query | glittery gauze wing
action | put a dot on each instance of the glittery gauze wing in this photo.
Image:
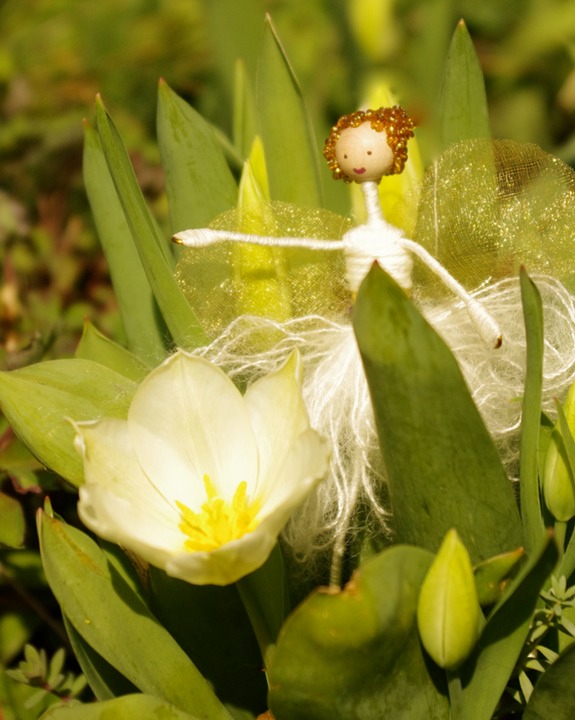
(487, 207)
(229, 279)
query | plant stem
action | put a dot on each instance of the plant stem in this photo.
(560, 535)
(455, 695)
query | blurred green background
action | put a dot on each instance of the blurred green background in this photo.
(55, 55)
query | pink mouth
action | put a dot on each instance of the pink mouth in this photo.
(359, 171)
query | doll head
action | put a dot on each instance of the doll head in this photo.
(366, 145)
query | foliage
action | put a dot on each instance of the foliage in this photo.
(351, 654)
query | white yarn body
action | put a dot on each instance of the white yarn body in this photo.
(377, 241)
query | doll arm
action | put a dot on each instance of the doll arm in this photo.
(202, 237)
(483, 321)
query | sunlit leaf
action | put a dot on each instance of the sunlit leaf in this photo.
(138, 309)
(40, 400)
(104, 680)
(443, 469)
(95, 346)
(531, 513)
(129, 707)
(289, 142)
(152, 247)
(199, 184)
(356, 654)
(105, 609)
(463, 100)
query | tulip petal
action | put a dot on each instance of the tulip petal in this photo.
(146, 486)
(187, 419)
(304, 467)
(278, 415)
(117, 500)
(225, 565)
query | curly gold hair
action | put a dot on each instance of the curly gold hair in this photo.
(398, 128)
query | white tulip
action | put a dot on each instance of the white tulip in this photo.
(200, 480)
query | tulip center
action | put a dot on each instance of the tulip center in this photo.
(218, 522)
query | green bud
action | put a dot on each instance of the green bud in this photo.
(492, 575)
(448, 613)
(558, 480)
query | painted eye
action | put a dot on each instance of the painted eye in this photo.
(369, 152)
(345, 157)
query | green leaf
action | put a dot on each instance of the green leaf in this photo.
(492, 575)
(244, 130)
(140, 316)
(265, 597)
(40, 400)
(12, 522)
(289, 142)
(104, 680)
(487, 672)
(224, 19)
(356, 655)
(211, 626)
(95, 346)
(443, 469)
(152, 249)
(553, 697)
(16, 628)
(105, 609)
(199, 184)
(129, 707)
(463, 99)
(531, 512)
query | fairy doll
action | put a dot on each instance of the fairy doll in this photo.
(365, 147)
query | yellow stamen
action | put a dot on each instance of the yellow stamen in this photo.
(218, 522)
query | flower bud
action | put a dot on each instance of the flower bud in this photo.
(558, 480)
(493, 575)
(448, 613)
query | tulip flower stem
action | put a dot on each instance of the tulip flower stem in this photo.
(560, 535)
(455, 695)
(256, 616)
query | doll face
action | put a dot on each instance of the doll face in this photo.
(363, 153)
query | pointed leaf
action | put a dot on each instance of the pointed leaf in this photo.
(199, 183)
(40, 400)
(154, 255)
(356, 655)
(531, 512)
(463, 98)
(289, 142)
(105, 609)
(12, 522)
(492, 575)
(138, 309)
(443, 468)
(129, 707)
(553, 697)
(95, 346)
(487, 672)
(210, 625)
(104, 680)
(244, 111)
